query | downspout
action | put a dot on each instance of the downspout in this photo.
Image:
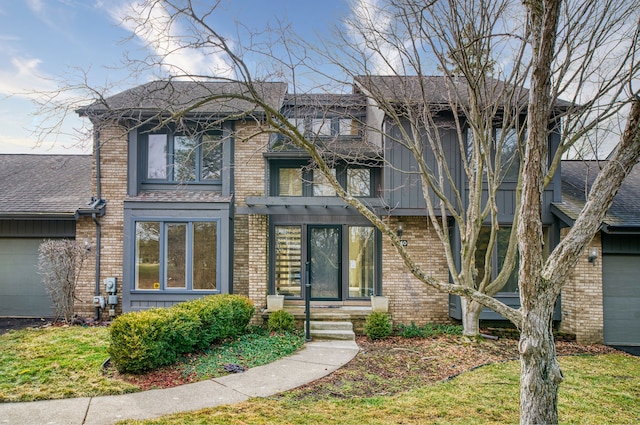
(96, 142)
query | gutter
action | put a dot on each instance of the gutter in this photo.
(95, 209)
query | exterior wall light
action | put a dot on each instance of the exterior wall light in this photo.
(399, 230)
(87, 244)
(593, 254)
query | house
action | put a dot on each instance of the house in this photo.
(206, 198)
(40, 196)
(602, 300)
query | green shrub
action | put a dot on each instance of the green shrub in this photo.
(146, 340)
(377, 325)
(411, 331)
(222, 316)
(281, 321)
(430, 329)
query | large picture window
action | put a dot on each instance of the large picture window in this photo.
(176, 255)
(184, 158)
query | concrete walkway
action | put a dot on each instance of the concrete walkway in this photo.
(315, 360)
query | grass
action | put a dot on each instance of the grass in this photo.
(56, 362)
(598, 389)
(65, 362)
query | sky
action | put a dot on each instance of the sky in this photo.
(45, 43)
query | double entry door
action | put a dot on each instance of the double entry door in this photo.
(337, 261)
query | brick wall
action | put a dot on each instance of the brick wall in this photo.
(250, 231)
(410, 299)
(582, 310)
(113, 153)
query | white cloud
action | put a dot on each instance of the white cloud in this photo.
(35, 5)
(169, 40)
(370, 28)
(23, 78)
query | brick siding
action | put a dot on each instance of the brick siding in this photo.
(410, 299)
(251, 232)
(582, 309)
(113, 152)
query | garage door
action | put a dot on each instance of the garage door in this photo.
(621, 292)
(22, 293)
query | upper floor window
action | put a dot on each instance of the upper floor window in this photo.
(184, 158)
(295, 178)
(505, 146)
(326, 128)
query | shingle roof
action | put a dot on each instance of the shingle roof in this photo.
(580, 175)
(179, 195)
(44, 184)
(438, 90)
(204, 98)
(351, 100)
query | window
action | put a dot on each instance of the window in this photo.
(176, 255)
(290, 181)
(288, 260)
(359, 181)
(509, 151)
(361, 261)
(182, 158)
(497, 258)
(329, 126)
(499, 254)
(321, 127)
(321, 185)
(290, 178)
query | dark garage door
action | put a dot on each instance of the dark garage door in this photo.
(621, 292)
(22, 293)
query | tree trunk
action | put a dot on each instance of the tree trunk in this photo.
(470, 317)
(540, 374)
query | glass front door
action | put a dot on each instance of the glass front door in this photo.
(324, 259)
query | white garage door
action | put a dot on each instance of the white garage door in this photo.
(621, 292)
(22, 293)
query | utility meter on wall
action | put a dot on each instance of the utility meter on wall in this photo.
(110, 284)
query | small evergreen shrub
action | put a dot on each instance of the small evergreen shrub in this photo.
(281, 321)
(411, 331)
(146, 340)
(377, 325)
(430, 329)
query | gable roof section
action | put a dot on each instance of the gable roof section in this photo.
(44, 186)
(438, 90)
(199, 98)
(578, 177)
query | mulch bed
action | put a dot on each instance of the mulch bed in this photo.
(394, 365)
(391, 365)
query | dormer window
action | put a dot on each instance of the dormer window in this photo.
(183, 158)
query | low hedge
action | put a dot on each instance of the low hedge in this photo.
(146, 340)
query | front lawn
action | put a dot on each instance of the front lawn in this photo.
(600, 389)
(66, 362)
(56, 362)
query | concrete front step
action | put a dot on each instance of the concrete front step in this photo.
(336, 326)
(332, 330)
(332, 334)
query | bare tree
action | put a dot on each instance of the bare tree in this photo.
(60, 263)
(578, 60)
